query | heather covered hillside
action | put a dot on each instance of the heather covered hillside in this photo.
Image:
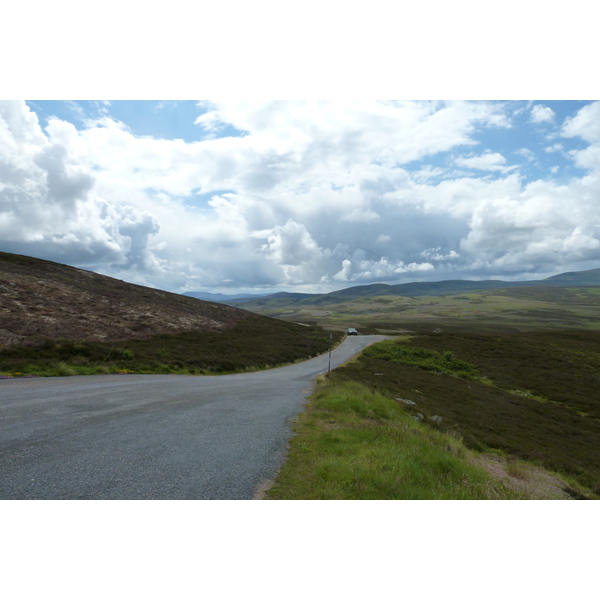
(42, 299)
(59, 320)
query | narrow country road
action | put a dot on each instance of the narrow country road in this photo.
(152, 436)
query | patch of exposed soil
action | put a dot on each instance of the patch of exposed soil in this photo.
(40, 299)
(534, 482)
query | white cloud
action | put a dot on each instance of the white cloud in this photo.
(514, 228)
(585, 124)
(427, 173)
(345, 134)
(526, 152)
(438, 255)
(589, 158)
(364, 271)
(289, 244)
(48, 202)
(311, 193)
(542, 114)
(489, 161)
(358, 216)
(554, 148)
(544, 224)
(344, 273)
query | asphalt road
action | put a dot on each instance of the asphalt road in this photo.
(152, 436)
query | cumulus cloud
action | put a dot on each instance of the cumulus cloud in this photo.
(48, 205)
(345, 271)
(290, 244)
(526, 153)
(437, 254)
(362, 271)
(545, 224)
(514, 228)
(358, 215)
(489, 161)
(348, 134)
(296, 194)
(585, 124)
(541, 114)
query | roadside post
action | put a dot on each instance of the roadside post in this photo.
(330, 338)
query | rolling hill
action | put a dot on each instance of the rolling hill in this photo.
(42, 299)
(223, 298)
(590, 278)
(59, 320)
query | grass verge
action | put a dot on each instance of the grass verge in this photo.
(355, 444)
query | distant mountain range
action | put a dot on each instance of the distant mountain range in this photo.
(224, 298)
(240, 298)
(424, 288)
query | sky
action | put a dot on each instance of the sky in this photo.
(309, 196)
(262, 196)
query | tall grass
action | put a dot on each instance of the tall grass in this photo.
(352, 443)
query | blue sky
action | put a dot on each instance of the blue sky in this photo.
(260, 196)
(166, 119)
(524, 134)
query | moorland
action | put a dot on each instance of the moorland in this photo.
(59, 320)
(513, 372)
(524, 405)
(508, 309)
(500, 379)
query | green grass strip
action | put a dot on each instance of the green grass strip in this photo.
(355, 444)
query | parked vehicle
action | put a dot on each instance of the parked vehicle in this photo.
(352, 331)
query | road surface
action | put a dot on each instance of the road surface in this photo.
(152, 436)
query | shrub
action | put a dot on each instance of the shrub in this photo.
(64, 370)
(517, 469)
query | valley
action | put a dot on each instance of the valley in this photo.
(511, 308)
(509, 374)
